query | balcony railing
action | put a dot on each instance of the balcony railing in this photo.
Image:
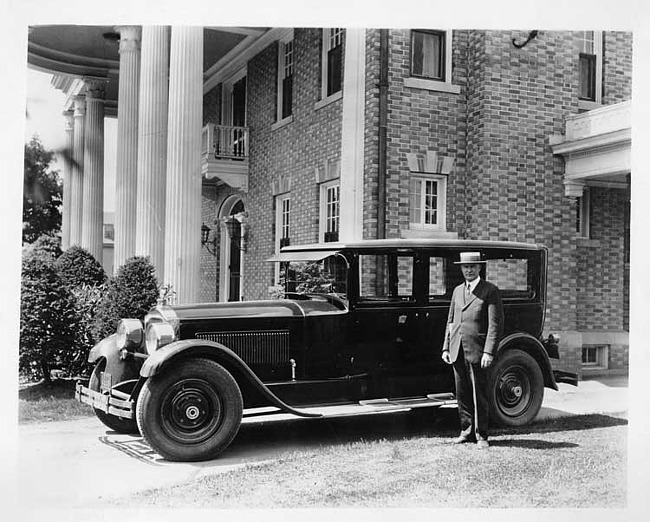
(226, 142)
(225, 154)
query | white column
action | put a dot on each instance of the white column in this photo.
(352, 135)
(67, 179)
(76, 174)
(127, 144)
(183, 197)
(152, 147)
(93, 184)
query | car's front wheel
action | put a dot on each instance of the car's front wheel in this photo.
(118, 424)
(516, 389)
(191, 412)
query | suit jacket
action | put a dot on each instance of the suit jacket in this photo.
(476, 325)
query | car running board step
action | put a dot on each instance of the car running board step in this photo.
(367, 407)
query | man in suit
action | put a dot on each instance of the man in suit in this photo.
(474, 326)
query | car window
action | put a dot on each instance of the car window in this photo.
(512, 276)
(327, 276)
(437, 284)
(386, 277)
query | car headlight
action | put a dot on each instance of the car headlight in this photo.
(158, 335)
(129, 333)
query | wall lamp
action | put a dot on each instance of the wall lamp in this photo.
(237, 231)
(531, 36)
(206, 241)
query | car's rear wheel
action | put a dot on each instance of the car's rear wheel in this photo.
(192, 412)
(118, 424)
(516, 389)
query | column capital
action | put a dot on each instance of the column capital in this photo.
(130, 36)
(95, 87)
(79, 106)
(573, 189)
(69, 120)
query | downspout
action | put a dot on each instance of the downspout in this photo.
(383, 116)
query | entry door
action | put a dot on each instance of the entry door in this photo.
(234, 267)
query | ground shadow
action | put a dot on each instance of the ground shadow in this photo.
(258, 442)
(532, 444)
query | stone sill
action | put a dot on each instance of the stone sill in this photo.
(279, 124)
(326, 101)
(587, 243)
(431, 85)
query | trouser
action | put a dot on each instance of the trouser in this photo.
(471, 394)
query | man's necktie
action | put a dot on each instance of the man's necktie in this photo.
(467, 293)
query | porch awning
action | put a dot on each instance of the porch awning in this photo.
(312, 255)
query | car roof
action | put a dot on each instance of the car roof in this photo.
(371, 244)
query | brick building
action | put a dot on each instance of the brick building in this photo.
(466, 134)
(235, 141)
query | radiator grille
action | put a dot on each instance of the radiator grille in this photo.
(262, 347)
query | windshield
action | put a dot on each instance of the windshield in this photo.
(327, 276)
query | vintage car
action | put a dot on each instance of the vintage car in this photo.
(354, 328)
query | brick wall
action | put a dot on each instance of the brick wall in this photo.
(601, 265)
(296, 150)
(517, 98)
(505, 185)
(617, 67)
(422, 120)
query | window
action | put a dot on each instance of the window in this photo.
(332, 66)
(386, 277)
(330, 211)
(431, 62)
(428, 56)
(282, 221)
(591, 64)
(285, 79)
(595, 356)
(427, 202)
(583, 214)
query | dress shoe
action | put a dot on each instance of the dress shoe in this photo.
(462, 439)
(482, 444)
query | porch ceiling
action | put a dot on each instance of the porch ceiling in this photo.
(76, 51)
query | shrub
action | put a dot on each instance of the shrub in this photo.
(47, 317)
(77, 267)
(132, 292)
(46, 246)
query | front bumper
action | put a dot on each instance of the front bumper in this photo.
(112, 402)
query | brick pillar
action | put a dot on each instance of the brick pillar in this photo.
(352, 134)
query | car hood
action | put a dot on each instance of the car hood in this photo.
(268, 308)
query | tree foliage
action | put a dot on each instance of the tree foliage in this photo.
(131, 293)
(42, 193)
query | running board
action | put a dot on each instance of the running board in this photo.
(366, 407)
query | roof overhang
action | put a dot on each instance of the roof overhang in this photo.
(597, 148)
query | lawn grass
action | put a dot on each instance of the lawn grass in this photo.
(574, 462)
(53, 401)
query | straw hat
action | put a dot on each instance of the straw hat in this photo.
(469, 258)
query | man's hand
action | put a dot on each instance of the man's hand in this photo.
(486, 360)
(446, 357)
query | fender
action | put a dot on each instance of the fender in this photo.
(221, 354)
(533, 347)
(120, 369)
